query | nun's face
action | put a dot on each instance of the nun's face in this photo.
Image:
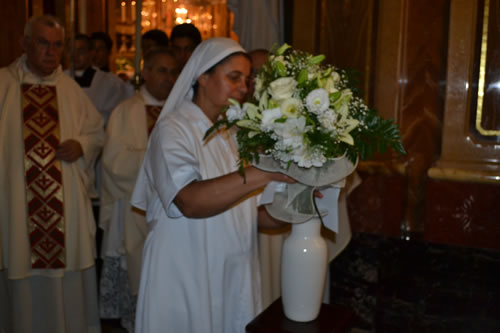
(228, 80)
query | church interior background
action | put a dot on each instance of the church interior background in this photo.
(425, 250)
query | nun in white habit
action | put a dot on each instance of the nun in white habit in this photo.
(200, 270)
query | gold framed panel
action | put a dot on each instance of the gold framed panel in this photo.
(486, 122)
(466, 154)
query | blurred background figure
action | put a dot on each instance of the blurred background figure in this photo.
(124, 228)
(102, 44)
(104, 89)
(258, 58)
(184, 39)
(153, 38)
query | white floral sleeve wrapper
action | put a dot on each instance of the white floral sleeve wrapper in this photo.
(294, 203)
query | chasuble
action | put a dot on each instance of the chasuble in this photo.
(46, 221)
(127, 133)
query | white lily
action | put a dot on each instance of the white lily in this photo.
(344, 99)
(252, 111)
(268, 118)
(250, 124)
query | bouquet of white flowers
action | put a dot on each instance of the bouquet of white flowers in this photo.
(305, 121)
(305, 113)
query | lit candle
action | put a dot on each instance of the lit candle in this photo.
(123, 12)
(72, 36)
(134, 11)
(83, 16)
(138, 37)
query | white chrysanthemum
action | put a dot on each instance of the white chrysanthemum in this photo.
(281, 153)
(317, 101)
(291, 107)
(268, 118)
(235, 112)
(328, 119)
(282, 88)
(308, 158)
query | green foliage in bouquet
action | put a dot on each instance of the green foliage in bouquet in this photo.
(306, 113)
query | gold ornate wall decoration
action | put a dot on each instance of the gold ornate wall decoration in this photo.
(482, 75)
(211, 17)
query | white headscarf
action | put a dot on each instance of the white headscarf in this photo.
(204, 57)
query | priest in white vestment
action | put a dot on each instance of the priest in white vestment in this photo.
(50, 135)
(125, 228)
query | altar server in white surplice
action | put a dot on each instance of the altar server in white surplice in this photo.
(105, 89)
(125, 228)
(200, 269)
(50, 134)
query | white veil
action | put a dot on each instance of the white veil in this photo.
(205, 56)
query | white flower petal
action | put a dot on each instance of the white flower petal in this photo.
(317, 101)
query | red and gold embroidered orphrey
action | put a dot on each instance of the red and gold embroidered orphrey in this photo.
(152, 113)
(43, 175)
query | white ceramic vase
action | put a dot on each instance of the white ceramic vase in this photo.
(303, 271)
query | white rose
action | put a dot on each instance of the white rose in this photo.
(282, 88)
(335, 77)
(317, 101)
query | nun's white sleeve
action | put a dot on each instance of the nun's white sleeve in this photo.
(174, 164)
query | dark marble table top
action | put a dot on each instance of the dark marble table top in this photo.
(332, 318)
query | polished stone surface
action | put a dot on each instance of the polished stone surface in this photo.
(463, 175)
(378, 204)
(463, 214)
(331, 319)
(412, 286)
